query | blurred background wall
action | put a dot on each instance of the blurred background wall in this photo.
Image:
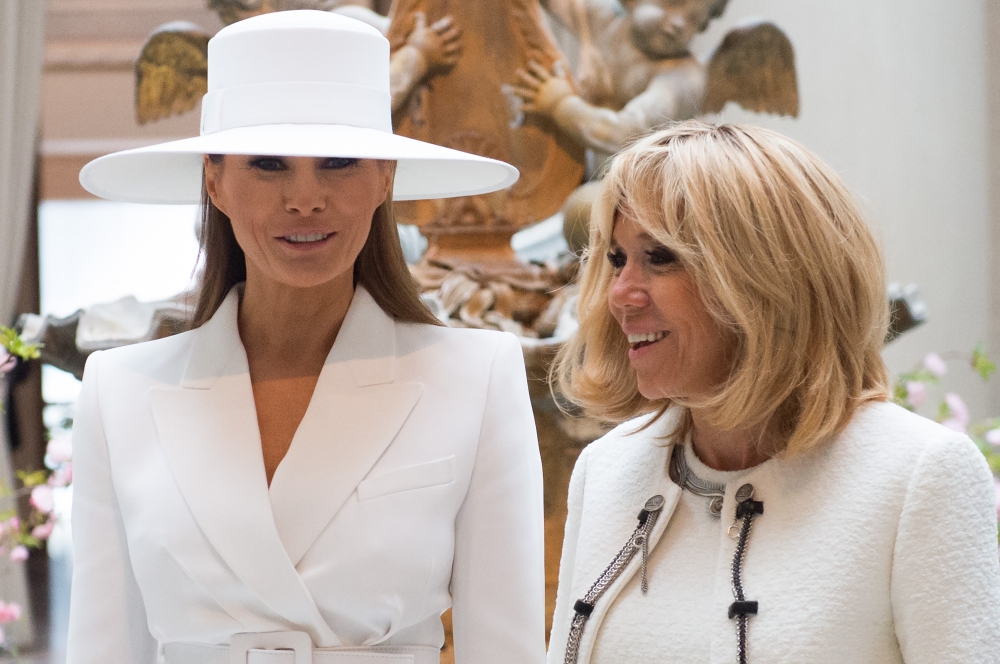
(901, 98)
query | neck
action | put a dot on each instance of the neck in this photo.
(726, 449)
(288, 332)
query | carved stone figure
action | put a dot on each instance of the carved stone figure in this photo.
(470, 108)
(171, 74)
(636, 72)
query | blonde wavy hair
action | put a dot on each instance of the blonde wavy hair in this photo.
(783, 260)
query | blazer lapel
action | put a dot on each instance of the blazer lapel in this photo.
(355, 413)
(208, 430)
(619, 490)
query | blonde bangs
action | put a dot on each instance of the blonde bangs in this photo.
(783, 260)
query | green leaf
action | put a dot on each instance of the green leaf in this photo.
(900, 396)
(29, 541)
(11, 340)
(32, 478)
(982, 363)
(943, 412)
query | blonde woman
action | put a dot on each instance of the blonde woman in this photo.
(732, 315)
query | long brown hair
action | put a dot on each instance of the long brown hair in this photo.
(380, 267)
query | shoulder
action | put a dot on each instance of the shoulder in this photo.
(453, 344)
(640, 432)
(635, 443)
(161, 359)
(892, 451)
(893, 435)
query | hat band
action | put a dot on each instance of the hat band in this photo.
(296, 103)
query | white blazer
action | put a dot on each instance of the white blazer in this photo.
(412, 484)
(880, 547)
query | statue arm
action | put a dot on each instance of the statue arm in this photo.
(429, 50)
(407, 68)
(598, 128)
(552, 95)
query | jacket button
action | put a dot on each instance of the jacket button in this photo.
(745, 492)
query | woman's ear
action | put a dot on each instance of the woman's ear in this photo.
(389, 169)
(213, 169)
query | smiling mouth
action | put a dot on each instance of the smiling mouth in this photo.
(637, 341)
(302, 239)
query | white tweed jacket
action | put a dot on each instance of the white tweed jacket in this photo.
(880, 547)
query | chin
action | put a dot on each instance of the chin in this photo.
(308, 280)
(655, 392)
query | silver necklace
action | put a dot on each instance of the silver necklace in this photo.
(684, 477)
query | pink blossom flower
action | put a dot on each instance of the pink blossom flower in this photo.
(916, 393)
(42, 499)
(7, 361)
(59, 450)
(9, 612)
(993, 437)
(13, 524)
(954, 425)
(19, 554)
(996, 486)
(43, 531)
(61, 476)
(934, 364)
(957, 408)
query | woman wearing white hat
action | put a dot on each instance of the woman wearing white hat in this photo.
(316, 471)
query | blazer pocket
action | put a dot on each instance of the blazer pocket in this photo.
(421, 476)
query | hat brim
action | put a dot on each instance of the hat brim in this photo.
(170, 173)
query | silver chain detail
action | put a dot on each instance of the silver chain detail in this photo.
(638, 541)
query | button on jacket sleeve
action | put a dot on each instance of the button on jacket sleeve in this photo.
(107, 618)
(498, 577)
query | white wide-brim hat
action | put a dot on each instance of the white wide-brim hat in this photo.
(298, 83)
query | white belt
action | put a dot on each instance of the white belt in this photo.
(292, 648)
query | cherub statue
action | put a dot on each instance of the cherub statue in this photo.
(636, 71)
(172, 70)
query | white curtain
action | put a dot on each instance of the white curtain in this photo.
(21, 51)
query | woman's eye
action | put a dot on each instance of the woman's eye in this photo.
(617, 259)
(337, 163)
(661, 256)
(268, 163)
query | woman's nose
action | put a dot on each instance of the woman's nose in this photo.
(628, 289)
(305, 193)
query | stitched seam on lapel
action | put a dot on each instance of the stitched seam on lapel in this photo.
(606, 602)
(611, 595)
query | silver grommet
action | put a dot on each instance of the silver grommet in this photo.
(715, 507)
(654, 504)
(745, 492)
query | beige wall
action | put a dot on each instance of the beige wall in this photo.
(88, 84)
(895, 97)
(992, 50)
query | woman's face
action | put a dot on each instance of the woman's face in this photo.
(301, 221)
(676, 347)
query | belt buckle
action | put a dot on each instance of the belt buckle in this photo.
(240, 645)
